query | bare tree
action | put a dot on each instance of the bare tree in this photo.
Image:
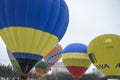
(8, 72)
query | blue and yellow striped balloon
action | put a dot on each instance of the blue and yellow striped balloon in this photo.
(32, 28)
(75, 59)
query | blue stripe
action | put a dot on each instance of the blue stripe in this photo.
(50, 16)
(48, 60)
(27, 56)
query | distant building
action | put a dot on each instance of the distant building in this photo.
(59, 67)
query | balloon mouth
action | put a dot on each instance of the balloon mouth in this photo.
(27, 55)
(26, 61)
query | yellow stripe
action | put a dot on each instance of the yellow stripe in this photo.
(76, 59)
(75, 55)
(23, 39)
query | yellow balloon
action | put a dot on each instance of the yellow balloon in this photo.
(104, 52)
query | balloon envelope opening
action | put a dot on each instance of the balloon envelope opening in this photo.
(26, 61)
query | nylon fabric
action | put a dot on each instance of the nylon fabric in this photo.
(16, 66)
(54, 55)
(76, 59)
(104, 53)
(75, 55)
(27, 56)
(28, 40)
(76, 71)
(50, 16)
(76, 48)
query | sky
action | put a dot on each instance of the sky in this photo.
(88, 19)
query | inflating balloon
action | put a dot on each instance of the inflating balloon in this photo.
(75, 59)
(53, 56)
(32, 28)
(15, 64)
(41, 68)
(104, 52)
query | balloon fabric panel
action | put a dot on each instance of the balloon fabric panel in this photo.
(104, 53)
(40, 72)
(41, 64)
(76, 59)
(16, 66)
(54, 55)
(53, 51)
(34, 41)
(55, 59)
(41, 68)
(76, 70)
(78, 47)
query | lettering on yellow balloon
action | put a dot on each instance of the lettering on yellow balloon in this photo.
(103, 66)
(117, 65)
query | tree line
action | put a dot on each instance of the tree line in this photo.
(8, 73)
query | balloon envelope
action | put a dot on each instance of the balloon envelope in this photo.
(32, 28)
(54, 55)
(75, 59)
(41, 68)
(104, 53)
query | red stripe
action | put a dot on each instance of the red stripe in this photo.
(76, 70)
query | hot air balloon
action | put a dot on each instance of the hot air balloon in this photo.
(41, 68)
(53, 56)
(104, 52)
(75, 59)
(15, 64)
(32, 28)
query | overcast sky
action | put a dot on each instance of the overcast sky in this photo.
(88, 19)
